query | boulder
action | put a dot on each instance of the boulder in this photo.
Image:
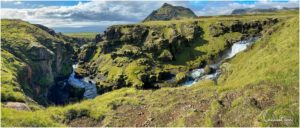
(17, 105)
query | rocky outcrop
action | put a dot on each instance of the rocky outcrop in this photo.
(46, 54)
(134, 34)
(250, 27)
(150, 38)
(17, 105)
(140, 55)
(135, 49)
(170, 12)
(86, 52)
(50, 31)
(40, 53)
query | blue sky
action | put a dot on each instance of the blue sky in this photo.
(96, 15)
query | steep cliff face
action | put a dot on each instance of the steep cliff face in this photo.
(45, 54)
(156, 54)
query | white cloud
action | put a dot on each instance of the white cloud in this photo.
(90, 13)
(18, 2)
(264, 1)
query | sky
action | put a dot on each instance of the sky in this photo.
(96, 15)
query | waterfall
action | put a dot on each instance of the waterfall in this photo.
(199, 74)
(240, 46)
(86, 83)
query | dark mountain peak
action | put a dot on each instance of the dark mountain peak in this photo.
(260, 10)
(170, 12)
(167, 5)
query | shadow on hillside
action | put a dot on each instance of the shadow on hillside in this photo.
(190, 53)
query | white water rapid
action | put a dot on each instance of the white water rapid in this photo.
(199, 74)
(86, 83)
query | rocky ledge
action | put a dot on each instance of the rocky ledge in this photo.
(139, 55)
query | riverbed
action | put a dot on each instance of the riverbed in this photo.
(86, 83)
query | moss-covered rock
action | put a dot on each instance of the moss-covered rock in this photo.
(162, 49)
(248, 27)
(181, 77)
(87, 52)
(165, 55)
(44, 52)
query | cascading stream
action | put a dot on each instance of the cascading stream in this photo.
(199, 74)
(86, 83)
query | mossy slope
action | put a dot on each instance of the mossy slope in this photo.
(44, 56)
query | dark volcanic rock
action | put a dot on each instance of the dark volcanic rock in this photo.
(50, 31)
(86, 52)
(39, 53)
(98, 38)
(250, 27)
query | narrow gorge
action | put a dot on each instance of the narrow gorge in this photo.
(144, 56)
(171, 69)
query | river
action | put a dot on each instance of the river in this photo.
(194, 76)
(197, 75)
(86, 83)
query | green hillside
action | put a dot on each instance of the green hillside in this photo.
(257, 87)
(44, 55)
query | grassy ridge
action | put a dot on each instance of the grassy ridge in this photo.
(271, 66)
(10, 66)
